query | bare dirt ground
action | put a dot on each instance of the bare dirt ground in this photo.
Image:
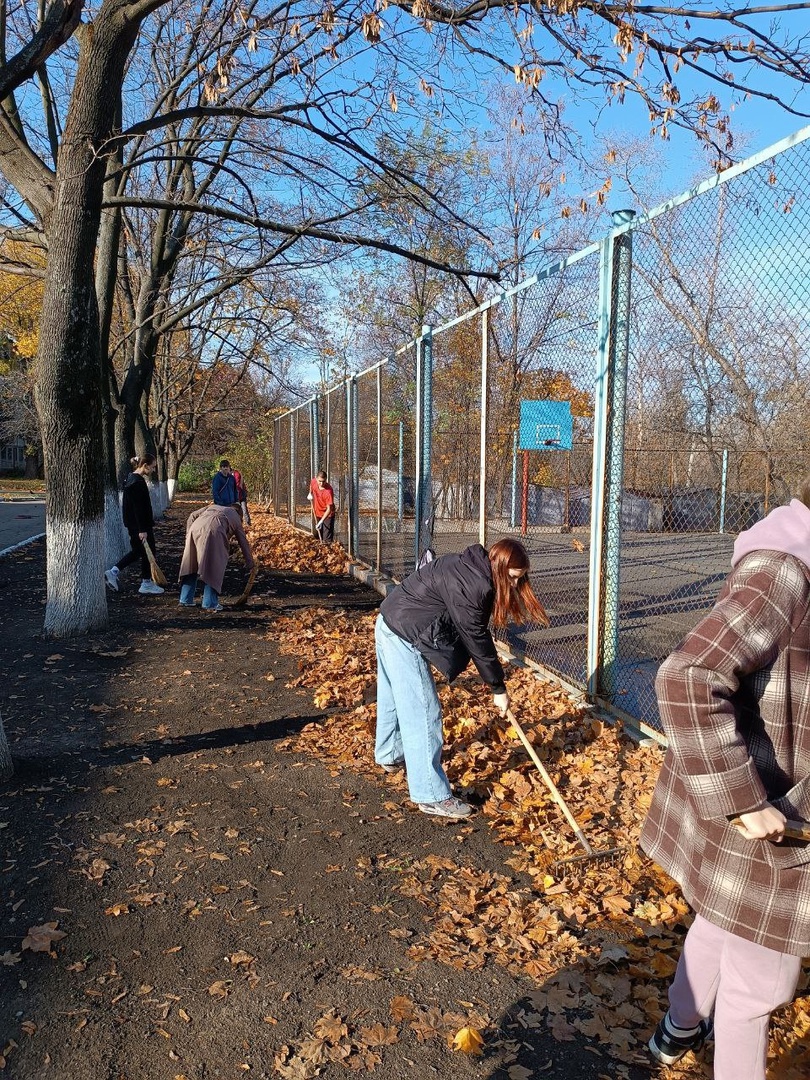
(186, 896)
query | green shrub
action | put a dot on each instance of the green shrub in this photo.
(194, 476)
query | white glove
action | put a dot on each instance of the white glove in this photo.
(501, 702)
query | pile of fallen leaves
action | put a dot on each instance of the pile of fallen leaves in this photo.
(278, 546)
(336, 657)
(603, 935)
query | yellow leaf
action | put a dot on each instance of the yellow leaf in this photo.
(469, 1041)
(117, 909)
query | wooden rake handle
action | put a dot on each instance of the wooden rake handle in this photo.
(552, 787)
(794, 830)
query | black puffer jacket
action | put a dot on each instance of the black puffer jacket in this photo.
(444, 609)
(136, 507)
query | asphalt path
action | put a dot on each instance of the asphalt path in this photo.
(20, 519)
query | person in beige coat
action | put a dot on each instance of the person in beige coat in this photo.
(208, 533)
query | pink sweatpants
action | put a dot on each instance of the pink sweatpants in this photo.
(741, 983)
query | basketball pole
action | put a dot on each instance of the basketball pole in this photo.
(524, 509)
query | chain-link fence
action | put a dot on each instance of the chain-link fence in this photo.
(679, 349)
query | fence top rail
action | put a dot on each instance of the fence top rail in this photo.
(716, 180)
(552, 269)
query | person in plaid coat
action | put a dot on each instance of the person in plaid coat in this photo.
(735, 706)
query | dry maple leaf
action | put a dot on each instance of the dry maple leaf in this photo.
(331, 1027)
(41, 938)
(9, 958)
(468, 1040)
(220, 989)
(240, 958)
(117, 909)
(402, 1008)
(376, 1035)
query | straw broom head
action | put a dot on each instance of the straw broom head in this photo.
(158, 576)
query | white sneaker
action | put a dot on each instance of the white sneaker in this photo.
(150, 588)
(111, 577)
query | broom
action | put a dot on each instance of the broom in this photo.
(158, 576)
(242, 600)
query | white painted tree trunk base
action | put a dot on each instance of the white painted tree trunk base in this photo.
(116, 537)
(77, 599)
(171, 487)
(157, 494)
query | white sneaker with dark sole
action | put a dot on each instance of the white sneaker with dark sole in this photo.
(111, 577)
(149, 588)
(449, 808)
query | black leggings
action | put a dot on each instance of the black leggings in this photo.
(327, 530)
(138, 552)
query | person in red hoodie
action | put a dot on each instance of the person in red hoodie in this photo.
(322, 497)
(241, 495)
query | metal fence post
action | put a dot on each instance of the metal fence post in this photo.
(723, 489)
(291, 507)
(482, 485)
(417, 495)
(427, 442)
(401, 474)
(315, 434)
(355, 452)
(598, 469)
(349, 485)
(276, 461)
(379, 469)
(622, 258)
(513, 515)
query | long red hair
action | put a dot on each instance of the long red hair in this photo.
(513, 602)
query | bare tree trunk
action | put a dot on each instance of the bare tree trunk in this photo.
(6, 763)
(68, 393)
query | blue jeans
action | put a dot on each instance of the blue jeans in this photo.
(409, 717)
(189, 588)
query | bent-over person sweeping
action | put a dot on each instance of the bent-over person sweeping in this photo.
(205, 556)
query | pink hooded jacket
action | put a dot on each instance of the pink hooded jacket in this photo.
(785, 529)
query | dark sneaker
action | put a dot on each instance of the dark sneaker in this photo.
(668, 1046)
(449, 808)
(213, 610)
(393, 766)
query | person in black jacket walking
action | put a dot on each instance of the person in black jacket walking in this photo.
(441, 614)
(136, 509)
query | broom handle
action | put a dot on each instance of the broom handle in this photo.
(794, 830)
(149, 554)
(552, 787)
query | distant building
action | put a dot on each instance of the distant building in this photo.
(12, 456)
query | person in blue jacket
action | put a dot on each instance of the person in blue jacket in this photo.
(223, 486)
(440, 615)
